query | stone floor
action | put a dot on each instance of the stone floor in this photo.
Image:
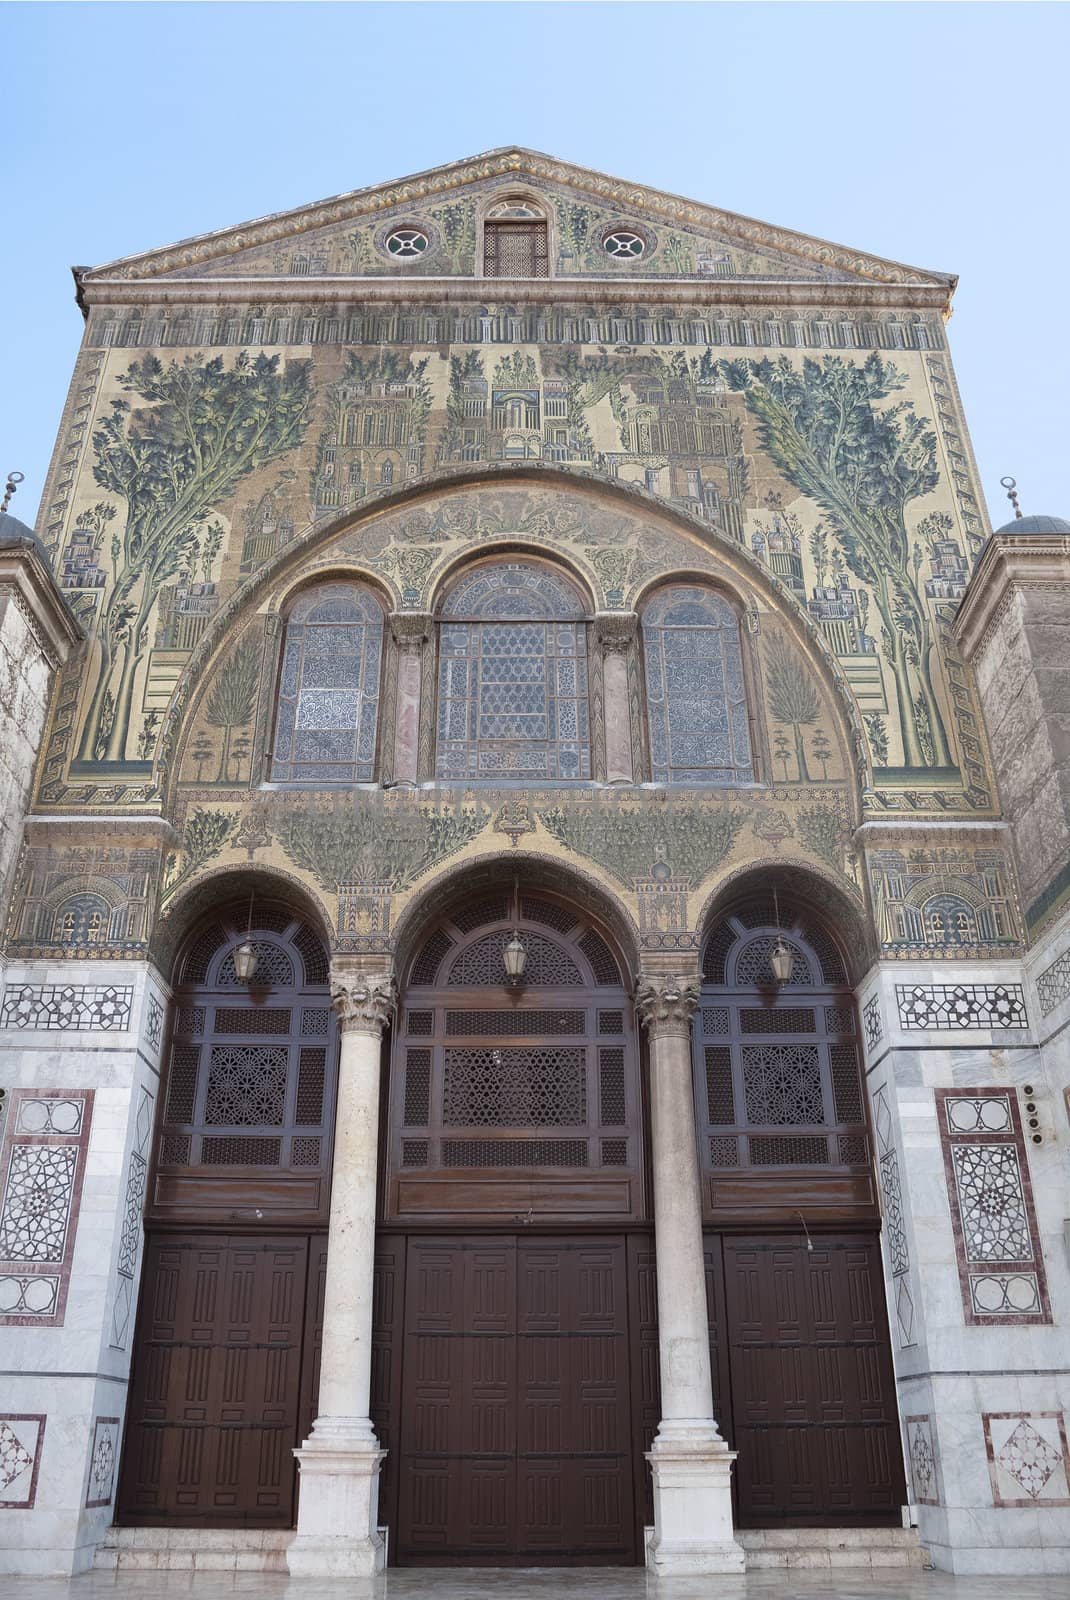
(498, 1584)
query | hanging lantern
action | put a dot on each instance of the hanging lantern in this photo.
(782, 961)
(245, 960)
(516, 959)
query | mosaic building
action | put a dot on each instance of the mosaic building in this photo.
(536, 860)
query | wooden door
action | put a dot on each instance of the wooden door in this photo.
(217, 1382)
(515, 1439)
(813, 1412)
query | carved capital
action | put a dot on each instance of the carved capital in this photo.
(410, 630)
(615, 631)
(363, 1003)
(666, 1004)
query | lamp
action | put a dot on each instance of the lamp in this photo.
(245, 957)
(514, 955)
(781, 956)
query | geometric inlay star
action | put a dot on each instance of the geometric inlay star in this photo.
(14, 1457)
(1029, 1458)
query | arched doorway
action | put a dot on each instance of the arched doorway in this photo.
(799, 1331)
(512, 1234)
(224, 1368)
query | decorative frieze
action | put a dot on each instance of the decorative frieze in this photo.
(42, 1168)
(67, 1007)
(940, 1007)
(997, 1242)
(1028, 1458)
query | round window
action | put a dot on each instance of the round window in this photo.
(406, 243)
(623, 245)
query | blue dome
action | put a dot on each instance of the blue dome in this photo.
(1036, 525)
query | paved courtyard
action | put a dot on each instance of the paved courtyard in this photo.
(561, 1584)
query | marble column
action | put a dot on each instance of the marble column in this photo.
(338, 1532)
(411, 632)
(690, 1463)
(615, 633)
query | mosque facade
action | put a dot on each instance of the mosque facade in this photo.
(536, 866)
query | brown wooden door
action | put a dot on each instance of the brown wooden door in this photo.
(217, 1382)
(515, 1439)
(813, 1411)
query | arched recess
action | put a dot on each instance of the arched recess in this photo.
(513, 1203)
(328, 546)
(791, 1214)
(224, 1358)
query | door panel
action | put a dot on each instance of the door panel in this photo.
(515, 1444)
(215, 1388)
(813, 1393)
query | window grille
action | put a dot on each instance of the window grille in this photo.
(516, 249)
(328, 696)
(512, 678)
(696, 698)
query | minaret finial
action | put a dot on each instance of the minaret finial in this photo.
(1012, 495)
(13, 481)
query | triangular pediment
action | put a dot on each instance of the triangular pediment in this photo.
(346, 237)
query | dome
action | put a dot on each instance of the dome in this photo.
(14, 532)
(1036, 525)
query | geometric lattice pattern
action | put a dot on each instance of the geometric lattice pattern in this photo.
(1053, 985)
(872, 1022)
(752, 965)
(79, 1008)
(36, 1204)
(274, 969)
(42, 1166)
(1001, 1271)
(1028, 1460)
(512, 688)
(21, 1437)
(696, 702)
(482, 964)
(514, 1088)
(102, 1462)
(992, 1204)
(782, 1084)
(894, 1233)
(328, 701)
(247, 1085)
(942, 1006)
(921, 1458)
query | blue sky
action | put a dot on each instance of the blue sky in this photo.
(931, 133)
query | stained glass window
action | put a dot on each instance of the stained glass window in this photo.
(512, 677)
(696, 701)
(329, 688)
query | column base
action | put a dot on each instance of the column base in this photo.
(338, 1533)
(692, 1536)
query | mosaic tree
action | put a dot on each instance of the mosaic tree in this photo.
(206, 427)
(824, 428)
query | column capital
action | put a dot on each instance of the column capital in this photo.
(615, 631)
(666, 1001)
(364, 1002)
(410, 630)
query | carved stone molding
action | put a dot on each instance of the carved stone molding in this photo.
(363, 1003)
(410, 630)
(666, 1003)
(615, 631)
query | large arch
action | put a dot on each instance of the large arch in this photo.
(627, 497)
(219, 887)
(805, 888)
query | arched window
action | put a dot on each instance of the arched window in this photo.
(329, 687)
(515, 242)
(696, 699)
(512, 677)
